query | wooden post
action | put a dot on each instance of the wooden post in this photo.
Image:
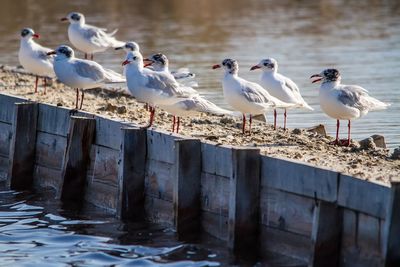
(186, 192)
(244, 202)
(22, 148)
(131, 174)
(326, 235)
(77, 159)
(392, 228)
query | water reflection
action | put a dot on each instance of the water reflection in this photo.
(360, 38)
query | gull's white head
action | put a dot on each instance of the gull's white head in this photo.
(328, 75)
(75, 18)
(133, 58)
(268, 65)
(129, 47)
(158, 61)
(28, 34)
(230, 66)
(63, 52)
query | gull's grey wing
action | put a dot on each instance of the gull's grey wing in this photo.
(164, 83)
(255, 93)
(89, 69)
(352, 95)
(291, 85)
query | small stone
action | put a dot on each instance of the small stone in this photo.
(319, 129)
(59, 104)
(110, 107)
(296, 131)
(121, 110)
(259, 117)
(379, 140)
(396, 153)
(226, 120)
(367, 144)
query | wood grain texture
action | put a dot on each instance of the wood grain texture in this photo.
(158, 181)
(391, 233)
(159, 210)
(7, 103)
(53, 120)
(5, 139)
(215, 224)
(160, 146)
(216, 159)
(50, 150)
(215, 193)
(23, 146)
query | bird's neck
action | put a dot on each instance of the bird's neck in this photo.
(233, 73)
(328, 85)
(27, 41)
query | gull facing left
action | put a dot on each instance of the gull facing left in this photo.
(33, 57)
(81, 73)
(87, 38)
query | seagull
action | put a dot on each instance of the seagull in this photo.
(33, 57)
(89, 39)
(244, 96)
(344, 102)
(152, 87)
(279, 86)
(81, 73)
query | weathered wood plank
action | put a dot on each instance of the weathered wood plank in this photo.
(286, 211)
(77, 158)
(22, 148)
(105, 166)
(7, 103)
(45, 177)
(368, 236)
(208, 157)
(158, 181)
(244, 201)
(216, 159)
(363, 196)
(299, 178)
(132, 173)
(50, 150)
(186, 189)
(214, 193)
(215, 224)
(159, 210)
(5, 139)
(3, 168)
(349, 231)
(108, 132)
(53, 120)
(102, 195)
(391, 240)
(326, 235)
(160, 146)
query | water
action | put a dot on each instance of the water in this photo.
(35, 230)
(360, 38)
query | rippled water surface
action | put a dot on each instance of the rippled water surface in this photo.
(360, 38)
(36, 231)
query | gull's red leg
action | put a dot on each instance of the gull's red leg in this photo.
(36, 83)
(275, 119)
(177, 125)
(91, 56)
(83, 94)
(86, 56)
(284, 120)
(250, 120)
(173, 123)
(44, 85)
(348, 134)
(77, 98)
(244, 124)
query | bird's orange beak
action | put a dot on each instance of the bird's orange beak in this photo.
(51, 53)
(255, 67)
(64, 19)
(216, 66)
(36, 35)
(147, 62)
(125, 62)
(318, 76)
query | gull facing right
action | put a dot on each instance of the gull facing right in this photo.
(344, 102)
(279, 86)
(244, 96)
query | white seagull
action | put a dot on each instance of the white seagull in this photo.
(33, 57)
(81, 73)
(279, 86)
(344, 102)
(152, 87)
(244, 96)
(87, 38)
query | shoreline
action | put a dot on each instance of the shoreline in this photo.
(298, 144)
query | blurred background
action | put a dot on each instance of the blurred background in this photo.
(360, 38)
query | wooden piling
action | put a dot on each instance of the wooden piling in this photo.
(186, 191)
(131, 174)
(77, 158)
(244, 201)
(392, 233)
(22, 148)
(326, 235)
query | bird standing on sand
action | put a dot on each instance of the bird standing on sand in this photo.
(87, 38)
(244, 96)
(279, 86)
(81, 73)
(33, 57)
(152, 87)
(344, 102)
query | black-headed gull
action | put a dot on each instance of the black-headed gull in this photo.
(244, 96)
(152, 87)
(87, 38)
(279, 86)
(33, 57)
(344, 102)
(81, 73)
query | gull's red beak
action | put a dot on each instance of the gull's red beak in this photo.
(216, 66)
(51, 53)
(125, 62)
(147, 62)
(255, 67)
(36, 35)
(318, 76)
(64, 19)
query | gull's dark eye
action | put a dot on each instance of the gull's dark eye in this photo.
(134, 58)
(265, 64)
(229, 65)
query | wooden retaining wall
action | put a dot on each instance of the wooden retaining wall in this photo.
(284, 211)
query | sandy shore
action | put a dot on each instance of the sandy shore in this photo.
(300, 144)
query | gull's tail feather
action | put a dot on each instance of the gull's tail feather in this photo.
(375, 104)
(113, 77)
(306, 106)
